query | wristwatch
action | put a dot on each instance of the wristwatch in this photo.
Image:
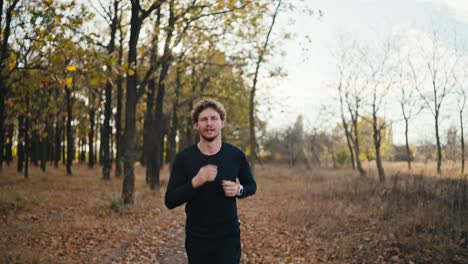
(241, 190)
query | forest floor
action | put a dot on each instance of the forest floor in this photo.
(298, 215)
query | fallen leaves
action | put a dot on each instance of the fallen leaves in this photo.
(292, 219)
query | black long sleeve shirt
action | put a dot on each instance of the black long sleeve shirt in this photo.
(210, 214)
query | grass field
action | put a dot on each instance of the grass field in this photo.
(298, 215)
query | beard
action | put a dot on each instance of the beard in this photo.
(209, 139)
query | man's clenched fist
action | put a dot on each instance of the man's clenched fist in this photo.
(206, 174)
(230, 188)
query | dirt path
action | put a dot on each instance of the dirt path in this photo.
(174, 255)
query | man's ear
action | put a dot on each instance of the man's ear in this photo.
(222, 123)
(195, 126)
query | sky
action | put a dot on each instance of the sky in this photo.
(310, 66)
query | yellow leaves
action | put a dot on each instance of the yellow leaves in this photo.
(221, 4)
(11, 65)
(69, 81)
(95, 81)
(231, 4)
(71, 68)
(131, 69)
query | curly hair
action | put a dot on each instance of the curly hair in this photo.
(208, 103)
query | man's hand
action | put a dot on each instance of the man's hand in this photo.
(230, 188)
(206, 174)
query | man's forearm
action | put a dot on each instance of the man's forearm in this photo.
(179, 195)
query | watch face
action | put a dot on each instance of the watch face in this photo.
(241, 190)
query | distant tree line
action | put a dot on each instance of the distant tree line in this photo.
(409, 74)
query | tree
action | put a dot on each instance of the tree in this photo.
(6, 16)
(261, 54)
(409, 103)
(451, 147)
(119, 140)
(343, 61)
(460, 75)
(379, 80)
(156, 147)
(367, 140)
(113, 22)
(192, 28)
(42, 31)
(294, 138)
(353, 99)
(138, 16)
(439, 64)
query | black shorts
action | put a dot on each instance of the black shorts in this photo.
(220, 251)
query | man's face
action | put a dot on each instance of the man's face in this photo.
(209, 124)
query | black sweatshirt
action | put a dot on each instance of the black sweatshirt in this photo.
(210, 214)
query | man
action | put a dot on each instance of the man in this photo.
(204, 177)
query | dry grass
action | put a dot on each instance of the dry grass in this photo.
(450, 169)
(352, 219)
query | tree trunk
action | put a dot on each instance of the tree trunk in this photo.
(346, 128)
(111, 150)
(34, 148)
(50, 143)
(106, 131)
(163, 140)
(3, 91)
(43, 151)
(172, 145)
(118, 123)
(189, 138)
(118, 119)
(91, 139)
(148, 132)
(189, 135)
(64, 140)
(377, 130)
(130, 107)
(101, 145)
(70, 151)
(57, 143)
(439, 148)
(96, 139)
(362, 172)
(408, 150)
(45, 146)
(83, 150)
(27, 148)
(9, 145)
(348, 142)
(21, 132)
(462, 142)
